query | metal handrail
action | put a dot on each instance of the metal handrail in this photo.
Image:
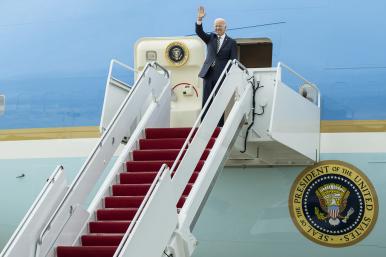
(164, 167)
(50, 181)
(280, 64)
(47, 227)
(238, 63)
(111, 78)
(125, 151)
(133, 222)
(162, 68)
(123, 65)
(153, 64)
(120, 83)
(206, 106)
(193, 204)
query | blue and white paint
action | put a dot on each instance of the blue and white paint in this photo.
(54, 55)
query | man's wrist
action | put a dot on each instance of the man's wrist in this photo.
(199, 21)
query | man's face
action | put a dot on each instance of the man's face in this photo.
(219, 27)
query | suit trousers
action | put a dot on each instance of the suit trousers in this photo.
(210, 81)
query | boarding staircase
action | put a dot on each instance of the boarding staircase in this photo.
(153, 195)
(160, 146)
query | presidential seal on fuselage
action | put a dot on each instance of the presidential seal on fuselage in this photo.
(333, 203)
(177, 53)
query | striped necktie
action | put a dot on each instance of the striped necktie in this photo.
(218, 43)
(218, 48)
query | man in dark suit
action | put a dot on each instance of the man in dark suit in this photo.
(220, 49)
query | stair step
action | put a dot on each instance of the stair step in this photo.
(131, 201)
(116, 214)
(130, 189)
(167, 143)
(123, 201)
(142, 177)
(162, 146)
(145, 177)
(153, 133)
(86, 251)
(146, 165)
(108, 226)
(154, 165)
(161, 154)
(101, 239)
(138, 190)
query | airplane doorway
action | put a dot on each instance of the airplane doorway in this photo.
(252, 53)
(255, 52)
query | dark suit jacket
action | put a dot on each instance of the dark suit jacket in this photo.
(228, 51)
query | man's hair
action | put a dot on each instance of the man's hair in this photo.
(221, 20)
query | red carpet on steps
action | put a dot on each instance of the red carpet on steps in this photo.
(160, 146)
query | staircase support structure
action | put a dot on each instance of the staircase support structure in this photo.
(158, 226)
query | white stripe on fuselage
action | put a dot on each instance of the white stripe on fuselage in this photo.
(329, 143)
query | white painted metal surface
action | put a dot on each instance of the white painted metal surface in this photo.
(115, 92)
(286, 125)
(264, 103)
(184, 240)
(22, 240)
(164, 194)
(186, 86)
(69, 232)
(235, 83)
(146, 91)
(233, 79)
(295, 121)
(215, 160)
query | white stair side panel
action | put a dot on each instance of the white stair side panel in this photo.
(157, 223)
(295, 121)
(23, 242)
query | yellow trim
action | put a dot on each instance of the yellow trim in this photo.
(340, 126)
(326, 126)
(49, 133)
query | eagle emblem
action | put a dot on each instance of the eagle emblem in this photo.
(333, 201)
(177, 53)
